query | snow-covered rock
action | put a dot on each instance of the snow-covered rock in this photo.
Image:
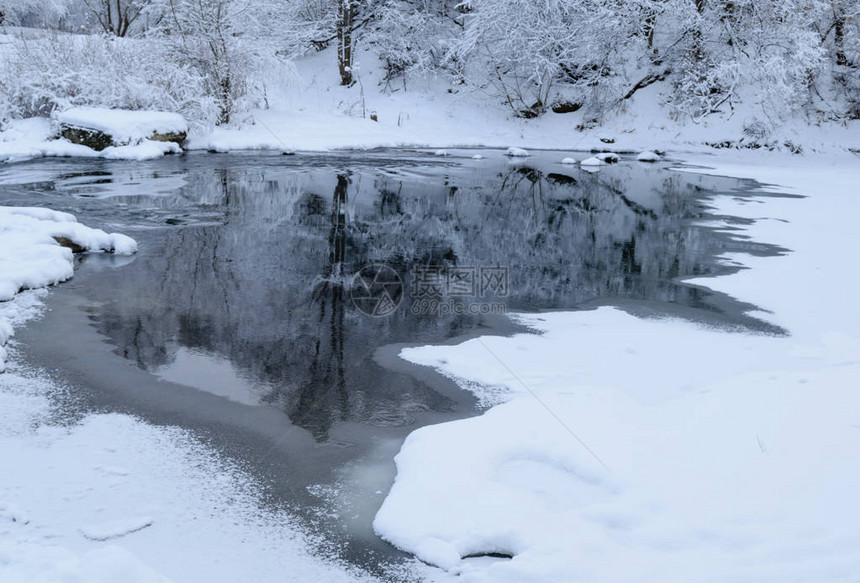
(440, 153)
(477, 157)
(593, 161)
(100, 128)
(517, 153)
(36, 250)
(569, 161)
(608, 157)
(648, 156)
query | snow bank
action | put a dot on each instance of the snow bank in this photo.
(648, 156)
(608, 157)
(517, 153)
(31, 256)
(641, 450)
(126, 127)
(33, 138)
(145, 150)
(314, 113)
(593, 161)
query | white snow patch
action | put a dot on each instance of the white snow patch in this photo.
(440, 153)
(568, 161)
(30, 256)
(648, 156)
(145, 150)
(517, 153)
(209, 522)
(608, 157)
(593, 161)
(33, 138)
(25, 562)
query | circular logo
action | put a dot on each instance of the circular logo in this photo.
(377, 290)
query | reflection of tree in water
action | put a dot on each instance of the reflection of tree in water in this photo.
(268, 288)
(323, 395)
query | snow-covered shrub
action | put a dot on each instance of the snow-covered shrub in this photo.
(233, 45)
(305, 26)
(31, 12)
(412, 37)
(759, 52)
(208, 61)
(528, 50)
(58, 71)
(121, 17)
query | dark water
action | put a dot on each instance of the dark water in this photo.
(238, 319)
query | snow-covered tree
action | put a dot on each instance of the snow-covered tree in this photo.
(413, 36)
(116, 17)
(31, 12)
(227, 42)
(345, 22)
(529, 49)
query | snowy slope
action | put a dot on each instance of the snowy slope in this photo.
(311, 111)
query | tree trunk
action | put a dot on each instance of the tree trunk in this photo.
(108, 24)
(649, 23)
(225, 90)
(839, 37)
(345, 18)
(649, 30)
(698, 42)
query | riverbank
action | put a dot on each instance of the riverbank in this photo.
(312, 112)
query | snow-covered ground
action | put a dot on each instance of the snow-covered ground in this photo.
(628, 449)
